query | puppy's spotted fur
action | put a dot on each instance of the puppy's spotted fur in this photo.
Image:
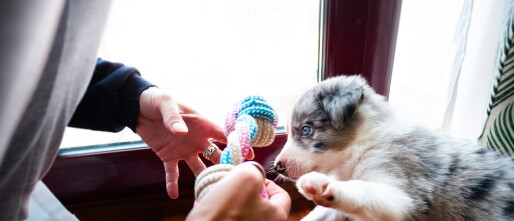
(357, 161)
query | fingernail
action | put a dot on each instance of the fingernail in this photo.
(179, 127)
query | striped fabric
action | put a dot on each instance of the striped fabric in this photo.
(498, 133)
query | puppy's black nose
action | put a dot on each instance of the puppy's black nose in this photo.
(280, 168)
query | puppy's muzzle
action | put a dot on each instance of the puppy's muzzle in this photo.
(280, 168)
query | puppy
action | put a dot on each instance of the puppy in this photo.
(356, 160)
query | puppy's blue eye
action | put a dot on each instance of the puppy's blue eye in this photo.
(306, 131)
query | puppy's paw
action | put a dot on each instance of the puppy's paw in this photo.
(316, 187)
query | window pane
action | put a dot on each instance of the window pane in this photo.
(210, 53)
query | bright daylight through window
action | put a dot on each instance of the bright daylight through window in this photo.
(210, 53)
(420, 79)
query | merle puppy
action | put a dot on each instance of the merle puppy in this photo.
(356, 160)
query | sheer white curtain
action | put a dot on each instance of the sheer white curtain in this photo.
(419, 81)
(479, 46)
(445, 61)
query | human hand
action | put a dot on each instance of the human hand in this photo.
(236, 197)
(162, 125)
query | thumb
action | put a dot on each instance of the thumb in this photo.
(171, 117)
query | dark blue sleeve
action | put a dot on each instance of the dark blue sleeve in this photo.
(111, 101)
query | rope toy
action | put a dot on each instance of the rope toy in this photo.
(251, 123)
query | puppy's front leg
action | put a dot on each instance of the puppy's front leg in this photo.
(362, 199)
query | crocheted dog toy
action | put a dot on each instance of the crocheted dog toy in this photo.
(251, 123)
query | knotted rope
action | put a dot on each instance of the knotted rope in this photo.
(251, 123)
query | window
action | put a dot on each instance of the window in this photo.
(209, 54)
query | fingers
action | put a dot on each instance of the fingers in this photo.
(278, 196)
(172, 173)
(228, 194)
(186, 109)
(251, 154)
(248, 175)
(216, 156)
(195, 164)
(217, 133)
(227, 198)
(171, 116)
(190, 116)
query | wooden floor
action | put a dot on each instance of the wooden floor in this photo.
(173, 210)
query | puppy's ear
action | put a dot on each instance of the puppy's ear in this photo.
(340, 98)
